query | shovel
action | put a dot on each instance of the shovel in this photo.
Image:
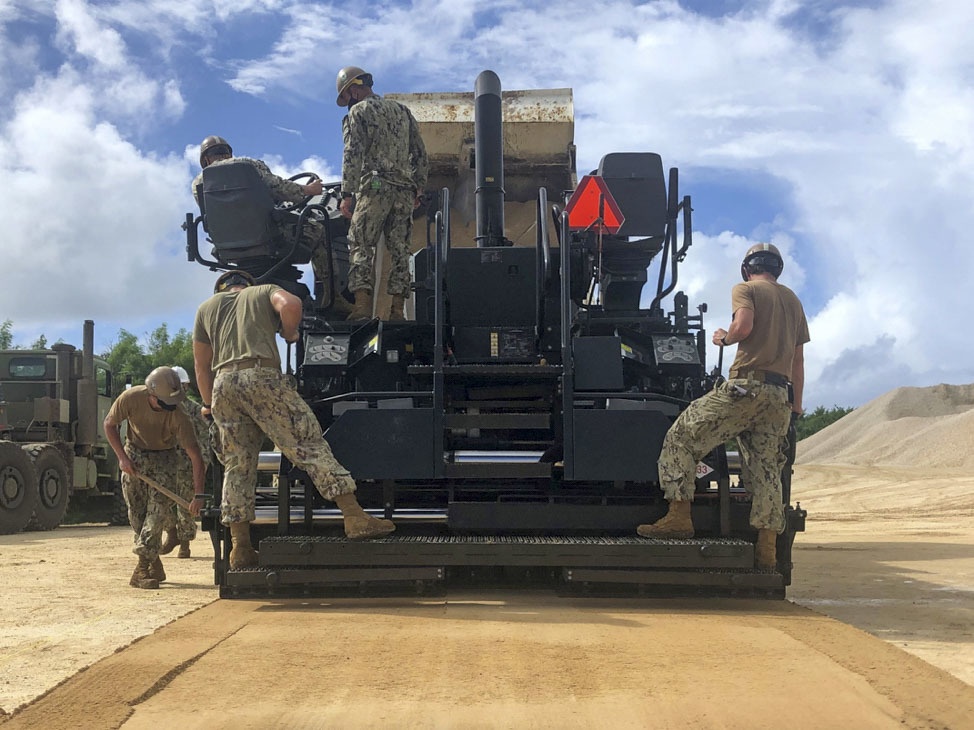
(168, 492)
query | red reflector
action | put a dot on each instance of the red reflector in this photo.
(592, 206)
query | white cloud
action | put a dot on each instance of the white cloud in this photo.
(80, 32)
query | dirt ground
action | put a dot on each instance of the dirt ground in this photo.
(877, 632)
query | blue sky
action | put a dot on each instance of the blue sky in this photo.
(841, 132)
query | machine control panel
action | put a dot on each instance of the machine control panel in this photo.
(678, 349)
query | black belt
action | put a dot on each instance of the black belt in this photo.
(763, 376)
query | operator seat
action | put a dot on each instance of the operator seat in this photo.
(241, 218)
(638, 186)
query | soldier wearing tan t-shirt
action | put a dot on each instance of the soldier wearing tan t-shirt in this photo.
(238, 373)
(155, 426)
(753, 405)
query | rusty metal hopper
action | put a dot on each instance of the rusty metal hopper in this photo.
(539, 151)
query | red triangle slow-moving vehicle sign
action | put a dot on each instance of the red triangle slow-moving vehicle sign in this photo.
(591, 202)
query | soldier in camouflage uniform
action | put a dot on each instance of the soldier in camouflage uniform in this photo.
(384, 170)
(216, 150)
(155, 426)
(238, 371)
(756, 404)
(181, 527)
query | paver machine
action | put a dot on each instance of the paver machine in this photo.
(511, 425)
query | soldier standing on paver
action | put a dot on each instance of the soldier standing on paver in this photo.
(155, 426)
(238, 372)
(763, 392)
(384, 170)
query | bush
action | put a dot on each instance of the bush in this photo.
(818, 419)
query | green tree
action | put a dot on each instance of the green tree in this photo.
(6, 335)
(164, 349)
(818, 419)
(128, 357)
(40, 343)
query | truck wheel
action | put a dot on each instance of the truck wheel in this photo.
(18, 488)
(120, 510)
(53, 487)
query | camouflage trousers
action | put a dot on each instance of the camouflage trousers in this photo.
(388, 213)
(149, 510)
(759, 419)
(180, 519)
(321, 263)
(247, 404)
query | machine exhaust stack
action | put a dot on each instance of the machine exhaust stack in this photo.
(489, 161)
(87, 389)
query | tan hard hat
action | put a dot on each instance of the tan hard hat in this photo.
(234, 277)
(209, 143)
(348, 76)
(765, 255)
(163, 383)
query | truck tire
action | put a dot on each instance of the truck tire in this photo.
(53, 487)
(18, 488)
(120, 510)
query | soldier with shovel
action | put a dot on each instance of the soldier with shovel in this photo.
(156, 425)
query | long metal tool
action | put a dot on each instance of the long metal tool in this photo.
(168, 492)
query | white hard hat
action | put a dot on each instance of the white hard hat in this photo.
(181, 372)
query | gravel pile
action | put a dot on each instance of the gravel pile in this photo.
(929, 427)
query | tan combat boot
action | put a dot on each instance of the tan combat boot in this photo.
(766, 549)
(156, 571)
(140, 578)
(363, 306)
(358, 524)
(396, 311)
(169, 543)
(243, 554)
(676, 523)
(183, 549)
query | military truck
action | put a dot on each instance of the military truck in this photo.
(52, 443)
(511, 426)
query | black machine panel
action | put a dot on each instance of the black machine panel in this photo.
(618, 445)
(492, 286)
(386, 443)
(598, 363)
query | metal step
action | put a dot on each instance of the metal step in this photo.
(518, 550)
(578, 580)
